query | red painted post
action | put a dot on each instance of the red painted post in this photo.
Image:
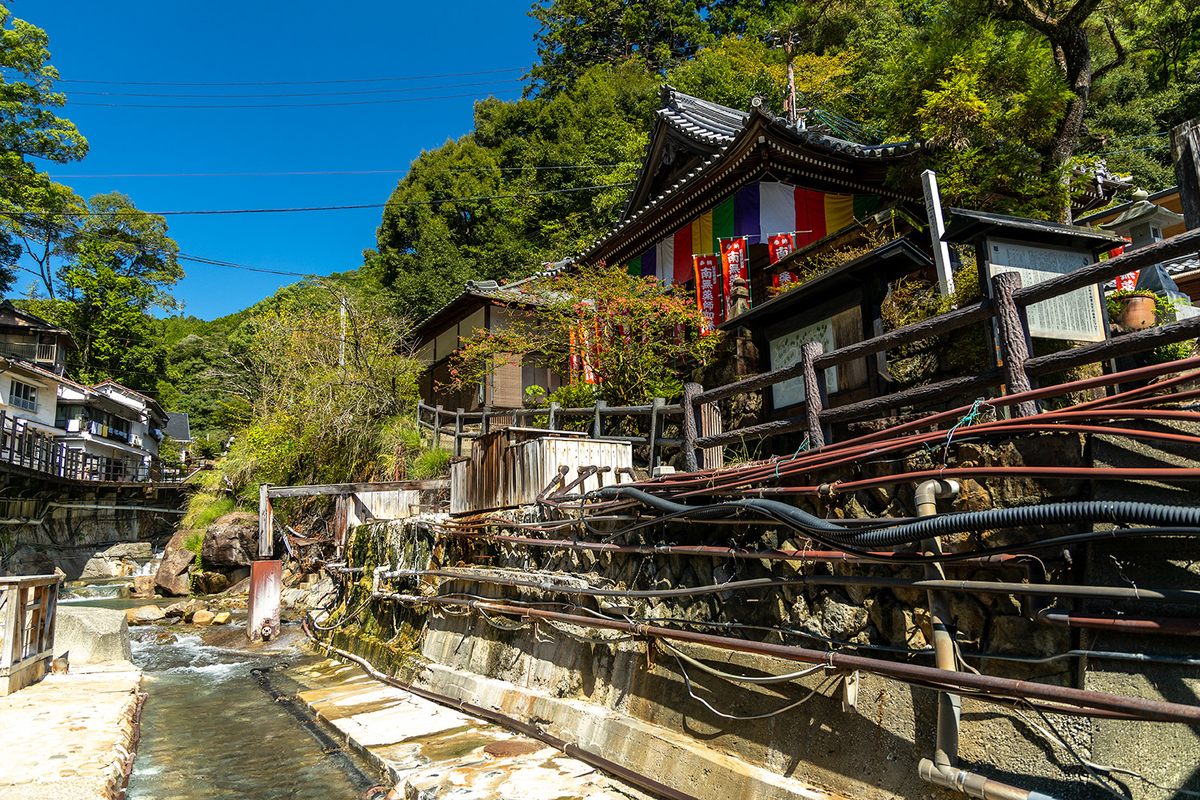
(262, 612)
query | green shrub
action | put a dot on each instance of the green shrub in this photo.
(205, 509)
(430, 464)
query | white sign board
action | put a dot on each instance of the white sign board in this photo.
(785, 351)
(1078, 316)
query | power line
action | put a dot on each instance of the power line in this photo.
(349, 172)
(288, 105)
(73, 93)
(388, 204)
(299, 83)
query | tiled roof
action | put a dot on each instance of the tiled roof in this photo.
(700, 120)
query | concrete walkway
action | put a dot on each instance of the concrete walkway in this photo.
(71, 736)
(427, 749)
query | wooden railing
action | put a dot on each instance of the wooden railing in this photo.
(461, 425)
(30, 351)
(701, 420)
(28, 607)
(29, 448)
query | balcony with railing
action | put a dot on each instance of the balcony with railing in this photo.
(30, 351)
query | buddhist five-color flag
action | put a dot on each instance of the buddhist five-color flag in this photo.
(757, 212)
(707, 267)
(733, 265)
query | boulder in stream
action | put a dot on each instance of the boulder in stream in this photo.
(92, 635)
(143, 586)
(209, 582)
(203, 617)
(231, 541)
(144, 615)
(172, 578)
(220, 618)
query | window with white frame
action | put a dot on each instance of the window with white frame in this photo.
(22, 395)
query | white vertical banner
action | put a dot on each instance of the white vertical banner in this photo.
(941, 252)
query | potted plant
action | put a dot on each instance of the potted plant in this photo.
(1132, 308)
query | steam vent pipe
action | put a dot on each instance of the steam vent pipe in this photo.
(943, 769)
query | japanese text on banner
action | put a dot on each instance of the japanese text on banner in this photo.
(733, 265)
(781, 245)
(708, 297)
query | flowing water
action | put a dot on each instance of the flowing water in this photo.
(209, 730)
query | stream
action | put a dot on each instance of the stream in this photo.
(209, 730)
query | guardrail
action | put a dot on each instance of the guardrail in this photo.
(1007, 308)
(701, 419)
(471, 424)
(31, 449)
(28, 609)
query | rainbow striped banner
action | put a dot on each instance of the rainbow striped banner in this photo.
(756, 212)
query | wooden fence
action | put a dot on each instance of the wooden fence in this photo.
(1018, 370)
(460, 425)
(31, 449)
(28, 608)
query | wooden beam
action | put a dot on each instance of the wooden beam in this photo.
(1185, 152)
(352, 488)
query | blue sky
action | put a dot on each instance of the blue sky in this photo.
(244, 42)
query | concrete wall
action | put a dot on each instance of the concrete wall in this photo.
(80, 538)
(621, 695)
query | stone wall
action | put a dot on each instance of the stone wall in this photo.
(867, 751)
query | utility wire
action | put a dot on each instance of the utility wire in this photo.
(388, 204)
(289, 105)
(349, 172)
(73, 93)
(298, 83)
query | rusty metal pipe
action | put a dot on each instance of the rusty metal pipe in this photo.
(1152, 710)
(1184, 596)
(1175, 626)
(1002, 561)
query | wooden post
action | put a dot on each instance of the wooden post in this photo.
(1014, 346)
(710, 423)
(814, 394)
(1185, 152)
(690, 390)
(553, 420)
(458, 431)
(598, 426)
(483, 420)
(437, 427)
(13, 633)
(266, 523)
(655, 404)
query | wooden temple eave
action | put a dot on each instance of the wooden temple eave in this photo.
(757, 153)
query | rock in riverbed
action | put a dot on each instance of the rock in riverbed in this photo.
(144, 615)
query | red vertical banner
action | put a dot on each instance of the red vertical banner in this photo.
(781, 245)
(706, 268)
(1128, 281)
(733, 265)
(783, 279)
(582, 356)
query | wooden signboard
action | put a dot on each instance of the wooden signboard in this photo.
(1078, 316)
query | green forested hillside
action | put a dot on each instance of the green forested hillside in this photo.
(984, 85)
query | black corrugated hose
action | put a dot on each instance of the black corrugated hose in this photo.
(1090, 511)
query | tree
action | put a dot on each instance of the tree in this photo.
(1068, 28)
(578, 34)
(633, 334)
(31, 205)
(325, 372)
(132, 243)
(536, 180)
